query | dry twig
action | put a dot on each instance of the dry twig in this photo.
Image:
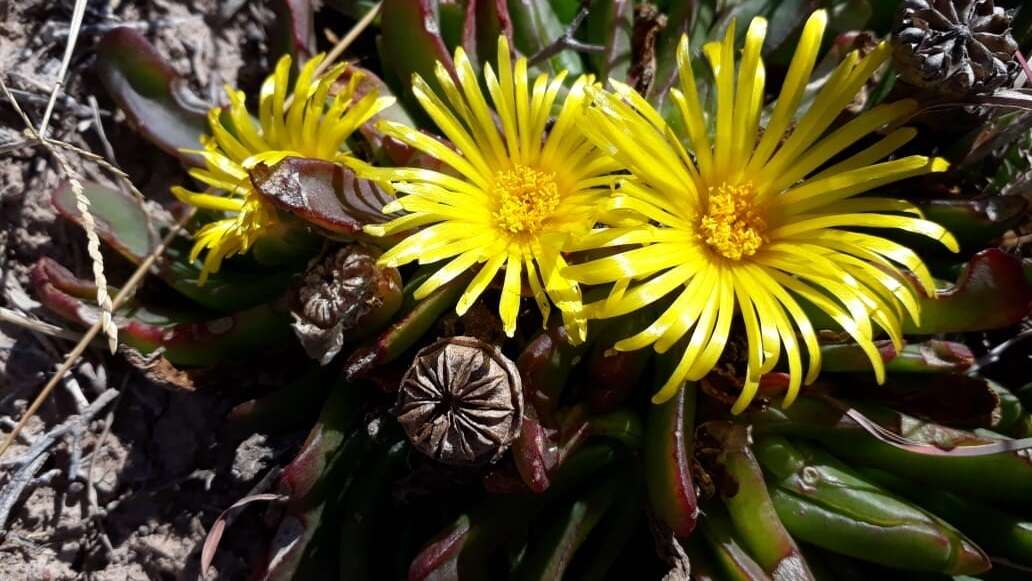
(567, 39)
(29, 463)
(342, 45)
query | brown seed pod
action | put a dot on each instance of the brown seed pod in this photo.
(461, 401)
(957, 47)
(341, 293)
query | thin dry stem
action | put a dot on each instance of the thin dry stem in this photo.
(350, 37)
(73, 35)
(82, 203)
(16, 318)
(343, 44)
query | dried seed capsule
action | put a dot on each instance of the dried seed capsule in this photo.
(461, 401)
(958, 47)
(346, 291)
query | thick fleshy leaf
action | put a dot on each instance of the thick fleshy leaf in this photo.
(692, 18)
(825, 502)
(1001, 477)
(975, 223)
(452, 18)
(535, 452)
(154, 98)
(1011, 419)
(750, 506)
(669, 455)
(730, 556)
(623, 425)
(293, 30)
(293, 406)
(545, 366)
(486, 20)
(998, 532)
(122, 224)
(121, 220)
(464, 548)
(946, 398)
(618, 527)
(556, 540)
(324, 467)
(411, 43)
(990, 293)
(933, 356)
(613, 376)
(197, 342)
(358, 510)
(323, 193)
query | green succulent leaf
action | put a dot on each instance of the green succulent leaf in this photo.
(486, 20)
(990, 293)
(293, 30)
(326, 465)
(413, 321)
(323, 193)
(357, 509)
(975, 223)
(122, 224)
(932, 356)
(1000, 533)
(1002, 477)
(192, 339)
(824, 502)
(609, 24)
(753, 515)
(730, 556)
(293, 406)
(121, 221)
(545, 366)
(557, 540)
(466, 547)
(669, 454)
(154, 98)
(411, 44)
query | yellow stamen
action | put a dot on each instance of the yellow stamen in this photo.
(526, 198)
(732, 227)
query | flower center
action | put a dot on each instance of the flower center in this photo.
(732, 227)
(526, 198)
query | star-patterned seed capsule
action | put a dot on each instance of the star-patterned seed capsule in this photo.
(461, 401)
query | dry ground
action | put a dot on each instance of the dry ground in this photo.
(155, 461)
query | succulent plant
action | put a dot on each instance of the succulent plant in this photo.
(596, 221)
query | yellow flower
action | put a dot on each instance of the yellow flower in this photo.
(515, 195)
(312, 126)
(753, 221)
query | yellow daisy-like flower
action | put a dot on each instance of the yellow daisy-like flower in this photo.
(516, 193)
(751, 221)
(312, 126)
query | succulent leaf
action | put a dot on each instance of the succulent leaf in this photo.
(323, 193)
(154, 98)
(194, 343)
